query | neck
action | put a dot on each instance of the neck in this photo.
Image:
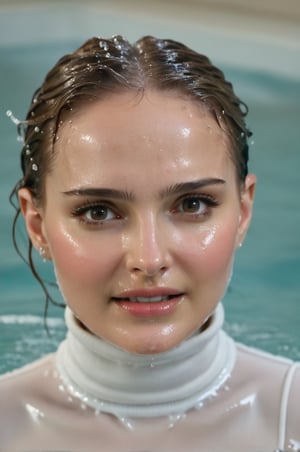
(125, 384)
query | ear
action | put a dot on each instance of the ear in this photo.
(246, 207)
(33, 216)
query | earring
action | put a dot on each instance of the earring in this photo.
(42, 253)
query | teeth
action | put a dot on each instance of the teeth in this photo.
(148, 299)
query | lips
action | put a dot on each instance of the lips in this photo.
(154, 295)
(149, 302)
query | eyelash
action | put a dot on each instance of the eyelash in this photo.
(80, 212)
(208, 200)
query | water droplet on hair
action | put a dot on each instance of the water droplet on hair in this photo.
(34, 100)
(223, 112)
(27, 152)
(15, 120)
(36, 129)
(107, 55)
(104, 45)
(242, 134)
(251, 142)
(34, 167)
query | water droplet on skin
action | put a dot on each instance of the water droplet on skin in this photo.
(199, 405)
(126, 422)
(294, 445)
(34, 412)
(61, 388)
(83, 406)
(175, 418)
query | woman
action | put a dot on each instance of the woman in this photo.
(135, 185)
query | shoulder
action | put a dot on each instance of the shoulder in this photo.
(277, 380)
(28, 369)
(291, 405)
(263, 363)
(14, 385)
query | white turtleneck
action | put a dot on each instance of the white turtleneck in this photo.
(115, 381)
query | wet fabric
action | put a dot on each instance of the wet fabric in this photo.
(208, 394)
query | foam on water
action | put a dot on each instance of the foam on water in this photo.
(29, 320)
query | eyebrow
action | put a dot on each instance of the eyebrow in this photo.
(184, 187)
(174, 189)
(101, 193)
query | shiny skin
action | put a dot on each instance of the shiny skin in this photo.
(141, 234)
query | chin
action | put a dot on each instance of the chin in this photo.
(151, 347)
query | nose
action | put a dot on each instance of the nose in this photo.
(147, 249)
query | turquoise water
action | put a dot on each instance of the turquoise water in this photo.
(263, 301)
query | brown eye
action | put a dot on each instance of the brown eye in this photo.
(193, 205)
(96, 214)
(99, 213)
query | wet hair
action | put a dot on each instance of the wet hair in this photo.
(103, 67)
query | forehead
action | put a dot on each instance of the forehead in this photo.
(126, 133)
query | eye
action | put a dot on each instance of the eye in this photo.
(95, 214)
(195, 205)
(99, 213)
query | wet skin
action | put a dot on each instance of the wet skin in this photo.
(142, 201)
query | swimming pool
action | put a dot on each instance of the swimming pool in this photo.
(263, 301)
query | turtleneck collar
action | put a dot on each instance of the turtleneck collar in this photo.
(115, 381)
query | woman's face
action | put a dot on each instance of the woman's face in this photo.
(141, 218)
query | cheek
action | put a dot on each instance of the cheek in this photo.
(211, 251)
(82, 258)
